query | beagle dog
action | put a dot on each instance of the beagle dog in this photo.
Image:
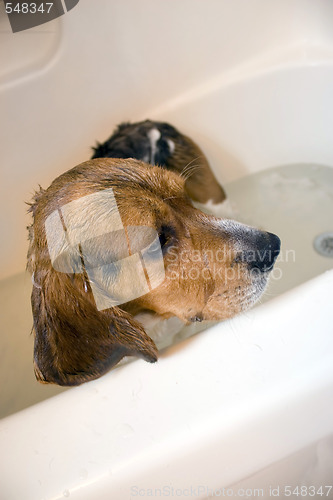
(161, 144)
(113, 238)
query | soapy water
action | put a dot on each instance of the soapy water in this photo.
(296, 203)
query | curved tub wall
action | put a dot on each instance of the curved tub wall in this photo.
(274, 65)
(249, 397)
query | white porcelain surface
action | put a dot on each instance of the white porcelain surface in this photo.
(215, 409)
(247, 402)
(249, 80)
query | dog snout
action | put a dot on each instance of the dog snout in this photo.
(266, 252)
(261, 254)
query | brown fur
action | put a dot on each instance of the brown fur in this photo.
(74, 342)
(200, 184)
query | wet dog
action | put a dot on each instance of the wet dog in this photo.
(114, 238)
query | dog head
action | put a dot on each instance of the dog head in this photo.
(161, 144)
(112, 238)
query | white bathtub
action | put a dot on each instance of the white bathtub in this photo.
(248, 403)
(216, 408)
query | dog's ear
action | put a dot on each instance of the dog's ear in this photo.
(189, 161)
(74, 342)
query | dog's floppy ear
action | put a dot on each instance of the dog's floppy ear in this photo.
(189, 161)
(74, 342)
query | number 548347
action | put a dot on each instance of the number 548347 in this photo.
(28, 8)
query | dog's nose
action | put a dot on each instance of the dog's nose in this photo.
(262, 250)
(267, 249)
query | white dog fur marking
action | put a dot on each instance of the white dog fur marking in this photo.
(153, 136)
(171, 145)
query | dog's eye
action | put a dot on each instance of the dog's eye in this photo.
(163, 239)
(165, 236)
